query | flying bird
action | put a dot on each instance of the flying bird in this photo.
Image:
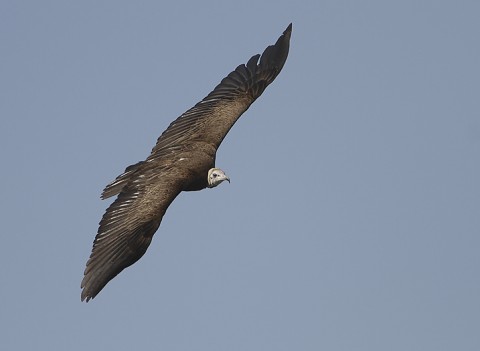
(183, 159)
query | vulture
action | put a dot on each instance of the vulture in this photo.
(183, 159)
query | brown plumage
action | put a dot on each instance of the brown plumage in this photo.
(180, 161)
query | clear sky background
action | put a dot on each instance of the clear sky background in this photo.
(352, 219)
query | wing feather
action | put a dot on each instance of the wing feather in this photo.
(128, 225)
(117, 185)
(211, 119)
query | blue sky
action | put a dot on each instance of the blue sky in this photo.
(352, 219)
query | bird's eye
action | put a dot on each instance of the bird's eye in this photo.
(215, 175)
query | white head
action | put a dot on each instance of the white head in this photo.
(216, 176)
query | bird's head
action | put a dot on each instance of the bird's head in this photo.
(216, 176)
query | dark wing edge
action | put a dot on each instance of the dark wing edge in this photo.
(127, 228)
(210, 120)
(253, 77)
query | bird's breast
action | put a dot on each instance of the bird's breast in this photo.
(197, 163)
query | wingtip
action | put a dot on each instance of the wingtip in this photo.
(287, 33)
(276, 55)
(289, 29)
(85, 295)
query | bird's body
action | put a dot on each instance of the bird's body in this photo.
(182, 160)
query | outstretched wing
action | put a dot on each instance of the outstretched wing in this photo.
(128, 225)
(211, 119)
